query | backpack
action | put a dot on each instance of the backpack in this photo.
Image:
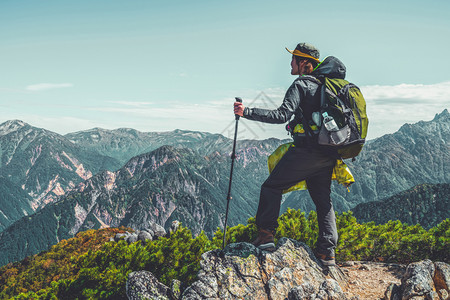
(343, 103)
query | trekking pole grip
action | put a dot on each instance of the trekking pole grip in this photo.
(238, 99)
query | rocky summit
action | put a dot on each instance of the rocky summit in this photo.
(242, 271)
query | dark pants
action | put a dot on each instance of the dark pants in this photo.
(314, 166)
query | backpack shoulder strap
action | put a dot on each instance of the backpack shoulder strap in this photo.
(299, 118)
(310, 78)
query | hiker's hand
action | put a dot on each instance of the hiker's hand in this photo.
(239, 109)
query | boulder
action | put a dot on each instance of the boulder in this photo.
(174, 227)
(422, 280)
(242, 269)
(158, 230)
(119, 236)
(143, 285)
(133, 237)
(418, 279)
(144, 236)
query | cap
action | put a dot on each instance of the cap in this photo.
(307, 51)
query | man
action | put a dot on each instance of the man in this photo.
(306, 160)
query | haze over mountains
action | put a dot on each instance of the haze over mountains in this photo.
(99, 178)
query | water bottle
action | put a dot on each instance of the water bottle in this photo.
(329, 122)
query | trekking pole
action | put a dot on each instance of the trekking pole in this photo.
(233, 156)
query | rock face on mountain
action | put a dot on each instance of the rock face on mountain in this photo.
(425, 204)
(45, 164)
(416, 154)
(14, 203)
(242, 271)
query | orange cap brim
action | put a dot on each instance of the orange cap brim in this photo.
(301, 54)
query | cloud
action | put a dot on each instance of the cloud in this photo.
(438, 91)
(391, 106)
(47, 86)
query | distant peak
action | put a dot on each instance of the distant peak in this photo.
(14, 123)
(11, 126)
(443, 115)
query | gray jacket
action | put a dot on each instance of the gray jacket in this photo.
(303, 96)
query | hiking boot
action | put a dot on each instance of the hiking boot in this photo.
(264, 241)
(326, 260)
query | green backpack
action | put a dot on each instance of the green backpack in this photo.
(342, 121)
(343, 112)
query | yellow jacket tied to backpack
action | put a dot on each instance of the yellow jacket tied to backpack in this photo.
(341, 172)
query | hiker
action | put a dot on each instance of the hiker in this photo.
(306, 160)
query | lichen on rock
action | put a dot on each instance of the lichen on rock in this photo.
(143, 285)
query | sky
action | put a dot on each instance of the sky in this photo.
(68, 66)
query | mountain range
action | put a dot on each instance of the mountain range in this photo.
(186, 181)
(45, 165)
